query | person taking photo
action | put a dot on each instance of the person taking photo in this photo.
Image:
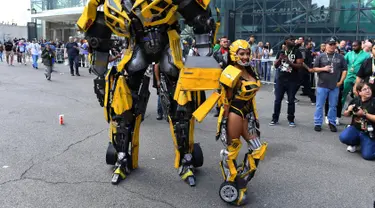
(361, 132)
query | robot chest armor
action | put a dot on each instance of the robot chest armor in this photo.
(155, 12)
(247, 90)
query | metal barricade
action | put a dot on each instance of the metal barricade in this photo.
(60, 55)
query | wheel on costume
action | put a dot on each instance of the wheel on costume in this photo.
(228, 192)
(197, 156)
(111, 155)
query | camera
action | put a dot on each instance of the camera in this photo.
(355, 109)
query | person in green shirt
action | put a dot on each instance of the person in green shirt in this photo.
(217, 46)
(354, 59)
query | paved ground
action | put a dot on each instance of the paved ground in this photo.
(43, 164)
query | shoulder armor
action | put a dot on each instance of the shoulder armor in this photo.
(230, 76)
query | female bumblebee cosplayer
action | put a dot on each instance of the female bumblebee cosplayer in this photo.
(238, 117)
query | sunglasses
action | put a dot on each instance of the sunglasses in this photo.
(332, 44)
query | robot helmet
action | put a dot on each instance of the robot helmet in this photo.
(233, 49)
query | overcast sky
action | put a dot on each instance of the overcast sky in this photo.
(15, 10)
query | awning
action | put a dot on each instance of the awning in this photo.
(59, 15)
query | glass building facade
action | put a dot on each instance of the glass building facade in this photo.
(43, 5)
(271, 20)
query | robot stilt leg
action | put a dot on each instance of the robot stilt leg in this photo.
(188, 153)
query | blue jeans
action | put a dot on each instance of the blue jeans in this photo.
(35, 61)
(281, 87)
(1, 56)
(159, 108)
(266, 69)
(321, 96)
(352, 136)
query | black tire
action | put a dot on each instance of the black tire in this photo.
(228, 192)
(111, 155)
(197, 156)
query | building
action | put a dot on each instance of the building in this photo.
(11, 31)
(56, 18)
(271, 20)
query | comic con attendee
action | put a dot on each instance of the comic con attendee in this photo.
(289, 62)
(331, 68)
(366, 72)
(354, 60)
(361, 130)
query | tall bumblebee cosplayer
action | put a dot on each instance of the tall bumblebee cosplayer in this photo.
(152, 31)
(238, 117)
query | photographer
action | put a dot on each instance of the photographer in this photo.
(360, 132)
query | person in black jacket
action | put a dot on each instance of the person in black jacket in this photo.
(47, 56)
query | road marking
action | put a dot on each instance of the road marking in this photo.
(5, 166)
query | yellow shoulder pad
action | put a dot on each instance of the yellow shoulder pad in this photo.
(230, 76)
(203, 3)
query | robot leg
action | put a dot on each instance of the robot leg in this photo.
(233, 189)
(188, 154)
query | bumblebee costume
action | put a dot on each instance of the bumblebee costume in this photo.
(238, 97)
(152, 32)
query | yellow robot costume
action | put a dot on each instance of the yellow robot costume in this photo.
(241, 102)
(152, 33)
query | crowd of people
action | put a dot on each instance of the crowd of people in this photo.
(330, 75)
(50, 52)
(327, 75)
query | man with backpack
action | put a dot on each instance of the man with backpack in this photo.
(9, 52)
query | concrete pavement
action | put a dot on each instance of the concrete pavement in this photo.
(43, 164)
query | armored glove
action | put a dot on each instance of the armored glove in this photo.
(222, 134)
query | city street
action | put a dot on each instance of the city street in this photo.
(44, 164)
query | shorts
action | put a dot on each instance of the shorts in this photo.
(9, 53)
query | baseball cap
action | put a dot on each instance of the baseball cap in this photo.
(331, 40)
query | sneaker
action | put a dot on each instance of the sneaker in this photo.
(313, 103)
(273, 122)
(332, 127)
(326, 120)
(159, 117)
(292, 124)
(318, 128)
(337, 121)
(351, 149)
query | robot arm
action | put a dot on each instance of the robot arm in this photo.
(197, 14)
(98, 34)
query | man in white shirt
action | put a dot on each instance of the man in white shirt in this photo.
(34, 50)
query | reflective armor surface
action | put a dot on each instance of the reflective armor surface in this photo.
(152, 32)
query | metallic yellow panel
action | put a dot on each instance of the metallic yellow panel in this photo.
(217, 25)
(177, 157)
(191, 135)
(233, 151)
(206, 107)
(232, 170)
(198, 79)
(112, 130)
(261, 152)
(127, 56)
(88, 15)
(122, 97)
(175, 46)
(203, 3)
(108, 85)
(230, 76)
(219, 119)
(135, 141)
(187, 174)
(255, 108)
(118, 171)
(251, 162)
(116, 18)
(171, 16)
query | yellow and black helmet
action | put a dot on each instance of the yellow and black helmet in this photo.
(233, 49)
